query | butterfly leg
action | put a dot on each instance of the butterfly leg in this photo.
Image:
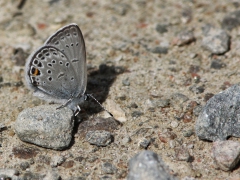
(65, 104)
(77, 111)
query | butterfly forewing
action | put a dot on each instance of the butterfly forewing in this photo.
(51, 72)
(69, 40)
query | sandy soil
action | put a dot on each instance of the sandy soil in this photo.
(120, 34)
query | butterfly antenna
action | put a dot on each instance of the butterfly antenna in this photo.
(90, 95)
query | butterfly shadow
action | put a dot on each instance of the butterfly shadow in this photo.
(99, 83)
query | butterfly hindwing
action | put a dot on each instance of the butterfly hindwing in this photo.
(51, 73)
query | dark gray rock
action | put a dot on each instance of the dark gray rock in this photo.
(159, 50)
(161, 28)
(24, 165)
(45, 126)
(197, 89)
(108, 168)
(99, 137)
(220, 117)
(231, 20)
(148, 165)
(217, 41)
(226, 154)
(217, 64)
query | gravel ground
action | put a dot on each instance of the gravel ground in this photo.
(166, 78)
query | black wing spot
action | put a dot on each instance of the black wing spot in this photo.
(60, 62)
(72, 44)
(62, 50)
(48, 54)
(68, 34)
(50, 78)
(56, 43)
(53, 61)
(77, 44)
(62, 37)
(74, 33)
(39, 55)
(72, 78)
(67, 46)
(54, 53)
(49, 71)
(60, 75)
(39, 64)
(67, 64)
(49, 64)
(75, 60)
(35, 61)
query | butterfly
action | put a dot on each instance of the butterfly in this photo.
(57, 70)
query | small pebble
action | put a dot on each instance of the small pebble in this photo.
(182, 154)
(99, 137)
(148, 165)
(143, 143)
(159, 50)
(108, 168)
(217, 41)
(174, 124)
(226, 154)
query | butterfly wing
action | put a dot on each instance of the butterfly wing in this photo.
(69, 40)
(51, 75)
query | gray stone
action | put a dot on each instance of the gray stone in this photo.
(144, 143)
(217, 41)
(159, 50)
(161, 28)
(108, 168)
(45, 126)
(219, 118)
(226, 154)
(217, 64)
(231, 21)
(148, 165)
(9, 173)
(99, 137)
(182, 154)
(185, 37)
(57, 160)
